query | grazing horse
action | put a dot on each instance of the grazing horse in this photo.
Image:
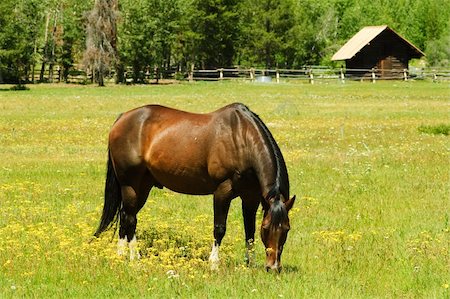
(228, 153)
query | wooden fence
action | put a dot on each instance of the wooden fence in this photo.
(310, 74)
(317, 74)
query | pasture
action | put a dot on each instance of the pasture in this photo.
(371, 218)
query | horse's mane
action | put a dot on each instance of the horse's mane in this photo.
(278, 213)
(281, 185)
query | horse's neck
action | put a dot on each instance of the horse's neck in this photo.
(265, 167)
(259, 153)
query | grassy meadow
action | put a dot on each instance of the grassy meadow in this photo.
(371, 219)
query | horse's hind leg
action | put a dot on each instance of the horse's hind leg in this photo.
(134, 197)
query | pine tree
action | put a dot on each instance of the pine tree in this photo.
(214, 26)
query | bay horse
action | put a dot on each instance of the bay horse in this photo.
(228, 153)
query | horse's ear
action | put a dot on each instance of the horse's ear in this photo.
(289, 203)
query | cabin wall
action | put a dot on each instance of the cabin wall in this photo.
(385, 52)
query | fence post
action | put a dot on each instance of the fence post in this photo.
(220, 74)
(342, 75)
(278, 76)
(373, 75)
(405, 74)
(311, 76)
(191, 74)
(252, 74)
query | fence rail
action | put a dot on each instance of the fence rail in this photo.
(311, 74)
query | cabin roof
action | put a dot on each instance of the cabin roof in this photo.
(363, 38)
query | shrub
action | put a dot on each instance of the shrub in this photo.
(19, 87)
(438, 129)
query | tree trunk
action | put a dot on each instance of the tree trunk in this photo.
(44, 59)
(101, 74)
(52, 52)
(119, 72)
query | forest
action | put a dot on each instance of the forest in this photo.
(45, 36)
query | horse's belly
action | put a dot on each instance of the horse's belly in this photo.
(186, 183)
(181, 172)
(178, 159)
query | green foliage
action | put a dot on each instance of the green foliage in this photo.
(73, 40)
(135, 36)
(214, 24)
(149, 33)
(436, 130)
(19, 28)
(176, 34)
(315, 32)
(266, 29)
(438, 50)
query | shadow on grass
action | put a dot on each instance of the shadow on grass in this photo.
(14, 88)
(290, 269)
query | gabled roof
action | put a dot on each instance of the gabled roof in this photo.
(364, 37)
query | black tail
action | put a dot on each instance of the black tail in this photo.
(113, 200)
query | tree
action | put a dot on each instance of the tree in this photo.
(101, 40)
(438, 50)
(19, 32)
(266, 28)
(136, 33)
(149, 35)
(73, 41)
(166, 14)
(51, 32)
(314, 33)
(214, 32)
(163, 34)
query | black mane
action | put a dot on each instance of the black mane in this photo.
(278, 212)
(281, 185)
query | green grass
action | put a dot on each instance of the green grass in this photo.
(371, 219)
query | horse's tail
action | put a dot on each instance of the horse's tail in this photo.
(113, 199)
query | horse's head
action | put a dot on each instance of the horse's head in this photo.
(274, 229)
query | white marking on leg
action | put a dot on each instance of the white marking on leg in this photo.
(134, 250)
(121, 245)
(214, 257)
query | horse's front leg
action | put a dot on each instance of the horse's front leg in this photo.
(249, 209)
(222, 200)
